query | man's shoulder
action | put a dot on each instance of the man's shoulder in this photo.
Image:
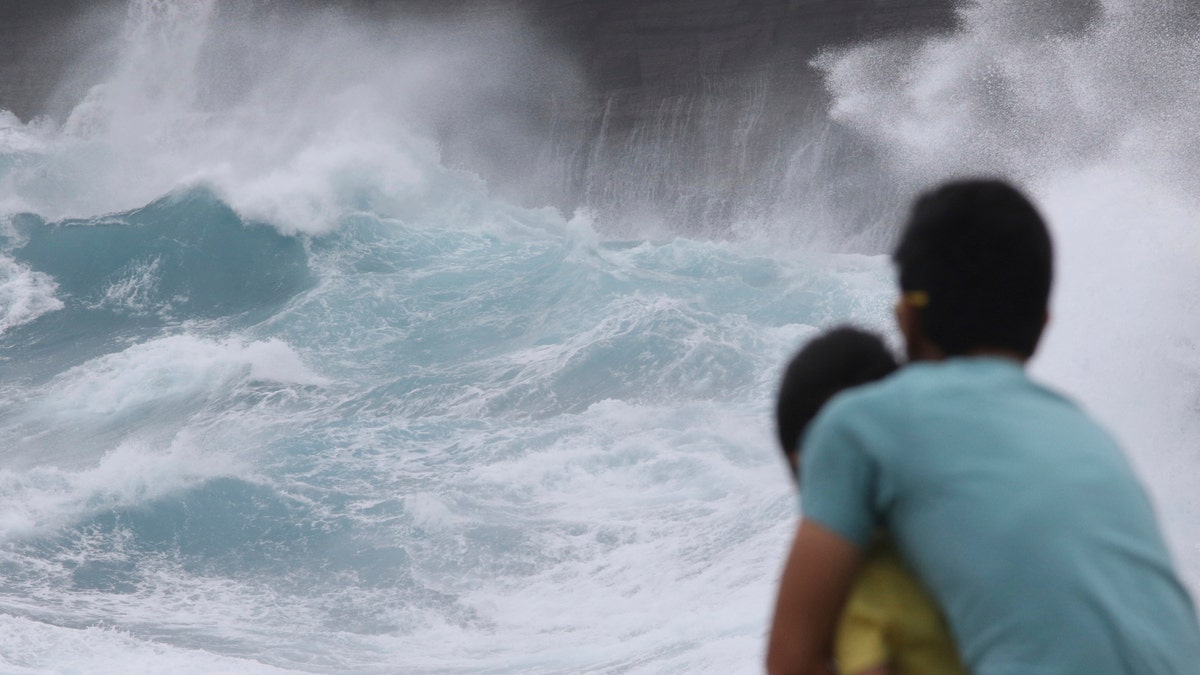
(950, 392)
(937, 383)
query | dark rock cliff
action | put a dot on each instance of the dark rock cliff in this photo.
(39, 40)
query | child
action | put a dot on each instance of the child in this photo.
(888, 625)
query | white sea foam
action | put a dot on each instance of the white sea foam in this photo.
(172, 369)
(47, 496)
(29, 646)
(655, 528)
(24, 294)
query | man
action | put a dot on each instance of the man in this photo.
(1019, 514)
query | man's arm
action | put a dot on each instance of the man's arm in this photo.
(812, 591)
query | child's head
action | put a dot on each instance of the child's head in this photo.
(835, 360)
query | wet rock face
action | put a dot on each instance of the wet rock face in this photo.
(667, 44)
(38, 42)
(701, 109)
(23, 85)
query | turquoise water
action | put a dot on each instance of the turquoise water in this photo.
(498, 445)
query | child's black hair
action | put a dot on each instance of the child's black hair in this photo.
(838, 359)
(977, 256)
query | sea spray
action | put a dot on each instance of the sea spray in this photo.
(291, 117)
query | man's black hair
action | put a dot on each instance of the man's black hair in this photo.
(838, 359)
(976, 256)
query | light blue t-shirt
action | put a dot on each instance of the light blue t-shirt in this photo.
(1015, 509)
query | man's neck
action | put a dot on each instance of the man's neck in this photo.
(931, 352)
(1010, 354)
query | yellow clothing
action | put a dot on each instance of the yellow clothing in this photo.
(889, 620)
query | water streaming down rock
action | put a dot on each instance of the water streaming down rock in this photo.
(287, 383)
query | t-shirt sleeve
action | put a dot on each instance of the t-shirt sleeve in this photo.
(836, 478)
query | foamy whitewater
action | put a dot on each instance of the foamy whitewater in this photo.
(280, 392)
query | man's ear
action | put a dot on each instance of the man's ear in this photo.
(908, 322)
(905, 318)
(917, 345)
